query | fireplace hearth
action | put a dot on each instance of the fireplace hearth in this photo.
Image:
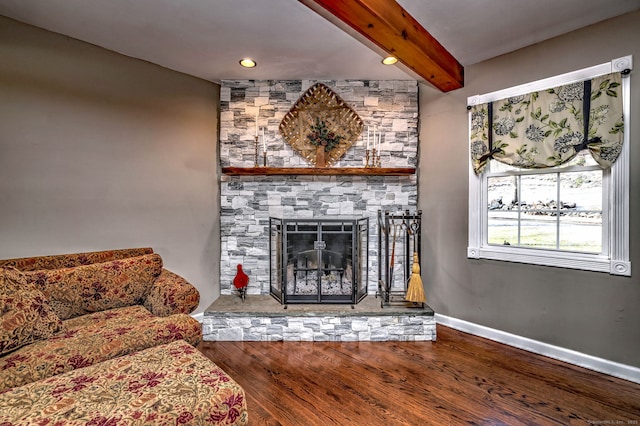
(320, 260)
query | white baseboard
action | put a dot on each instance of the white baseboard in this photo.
(198, 317)
(601, 365)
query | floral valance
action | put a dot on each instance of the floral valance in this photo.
(548, 127)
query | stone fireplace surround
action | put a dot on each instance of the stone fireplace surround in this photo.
(247, 202)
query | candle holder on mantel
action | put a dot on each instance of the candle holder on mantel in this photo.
(255, 162)
(372, 158)
(264, 158)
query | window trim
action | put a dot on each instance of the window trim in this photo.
(615, 182)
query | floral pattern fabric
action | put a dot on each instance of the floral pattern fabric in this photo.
(94, 338)
(547, 128)
(97, 287)
(25, 314)
(168, 384)
(60, 261)
(171, 294)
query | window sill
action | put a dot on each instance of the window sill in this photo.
(585, 262)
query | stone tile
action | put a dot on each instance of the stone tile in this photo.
(359, 325)
(349, 337)
(230, 334)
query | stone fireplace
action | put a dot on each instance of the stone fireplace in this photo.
(248, 202)
(320, 260)
(255, 209)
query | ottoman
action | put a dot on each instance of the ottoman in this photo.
(167, 384)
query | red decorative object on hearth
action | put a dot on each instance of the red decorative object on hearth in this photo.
(241, 281)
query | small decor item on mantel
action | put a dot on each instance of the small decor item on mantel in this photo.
(320, 126)
(240, 282)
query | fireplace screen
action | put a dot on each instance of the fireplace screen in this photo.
(319, 260)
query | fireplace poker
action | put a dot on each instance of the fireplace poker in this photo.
(393, 255)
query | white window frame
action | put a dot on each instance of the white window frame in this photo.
(615, 183)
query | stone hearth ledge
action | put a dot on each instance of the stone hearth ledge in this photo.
(262, 318)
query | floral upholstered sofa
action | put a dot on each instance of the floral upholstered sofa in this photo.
(105, 338)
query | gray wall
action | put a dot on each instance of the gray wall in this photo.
(593, 313)
(101, 151)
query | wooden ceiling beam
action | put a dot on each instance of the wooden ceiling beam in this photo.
(391, 28)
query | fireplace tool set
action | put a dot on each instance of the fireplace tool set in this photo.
(399, 281)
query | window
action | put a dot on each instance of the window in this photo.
(574, 215)
(559, 208)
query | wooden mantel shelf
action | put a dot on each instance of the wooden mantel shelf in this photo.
(326, 171)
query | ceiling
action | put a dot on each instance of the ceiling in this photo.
(207, 38)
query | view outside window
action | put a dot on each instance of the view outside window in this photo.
(557, 208)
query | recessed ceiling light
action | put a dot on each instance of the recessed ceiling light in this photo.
(248, 63)
(390, 60)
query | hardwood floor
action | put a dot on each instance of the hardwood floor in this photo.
(460, 379)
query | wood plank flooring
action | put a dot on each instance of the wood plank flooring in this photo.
(460, 379)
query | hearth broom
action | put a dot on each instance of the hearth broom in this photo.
(415, 291)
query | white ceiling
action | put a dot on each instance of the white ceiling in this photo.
(207, 38)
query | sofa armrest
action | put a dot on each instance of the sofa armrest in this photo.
(171, 294)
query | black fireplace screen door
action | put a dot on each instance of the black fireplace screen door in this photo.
(318, 260)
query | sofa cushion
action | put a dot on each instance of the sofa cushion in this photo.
(25, 314)
(58, 261)
(171, 294)
(97, 287)
(94, 338)
(168, 384)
